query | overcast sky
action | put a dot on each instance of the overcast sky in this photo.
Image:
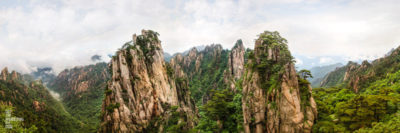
(65, 33)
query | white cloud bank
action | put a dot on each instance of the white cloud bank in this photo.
(67, 33)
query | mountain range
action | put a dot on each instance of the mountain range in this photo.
(205, 89)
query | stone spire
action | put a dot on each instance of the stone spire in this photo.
(14, 75)
(4, 74)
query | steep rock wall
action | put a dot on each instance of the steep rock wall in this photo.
(236, 64)
(271, 91)
(142, 90)
(80, 79)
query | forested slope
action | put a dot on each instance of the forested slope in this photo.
(364, 98)
(32, 102)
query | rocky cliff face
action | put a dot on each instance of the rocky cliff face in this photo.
(236, 60)
(235, 65)
(212, 68)
(274, 98)
(353, 74)
(80, 79)
(32, 102)
(334, 78)
(144, 90)
(4, 74)
(320, 72)
(195, 65)
(349, 76)
(13, 76)
(192, 61)
(81, 90)
(358, 76)
(189, 63)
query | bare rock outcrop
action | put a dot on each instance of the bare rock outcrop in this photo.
(194, 59)
(236, 60)
(4, 74)
(359, 76)
(13, 76)
(235, 65)
(38, 106)
(80, 79)
(352, 75)
(144, 89)
(272, 92)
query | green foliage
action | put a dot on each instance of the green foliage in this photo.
(170, 71)
(127, 45)
(210, 76)
(274, 41)
(174, 125)
(153, 35)
(52, 116)
(108, 91)
(270, 69)
(223, 104)
(217, 107)
(109, 70)
(305, 74)
(238, 42)
(272, 76)
(320, 72)
(389, 126)
(153, 125)
(248, 54)
(129, 58)
(251, 55)
(272, 38)
(372, 110)
(17, 126)
(174, 120)
(180, 80)
(334, 78)
(326, 100)
(144, 43)
(361, 111)
(86, 105)
(223, 113)
(305, 95)
(110, 108)
(366, 72)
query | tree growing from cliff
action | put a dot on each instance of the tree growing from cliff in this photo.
(305, 74)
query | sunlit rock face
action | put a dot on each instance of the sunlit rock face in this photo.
(143, 88)
(235, 65)
(79, 79)
(271, 90)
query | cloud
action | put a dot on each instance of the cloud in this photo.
(299, 62)
(324, 60)
(96, 58)
(65, 33)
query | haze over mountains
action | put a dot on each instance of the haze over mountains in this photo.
(205, 89)
(199, 66)
(319, 73)
(35, 34)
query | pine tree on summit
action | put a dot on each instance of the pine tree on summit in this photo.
(305, 74)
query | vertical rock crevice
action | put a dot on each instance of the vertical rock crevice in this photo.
(141, 91)
(271, 92)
